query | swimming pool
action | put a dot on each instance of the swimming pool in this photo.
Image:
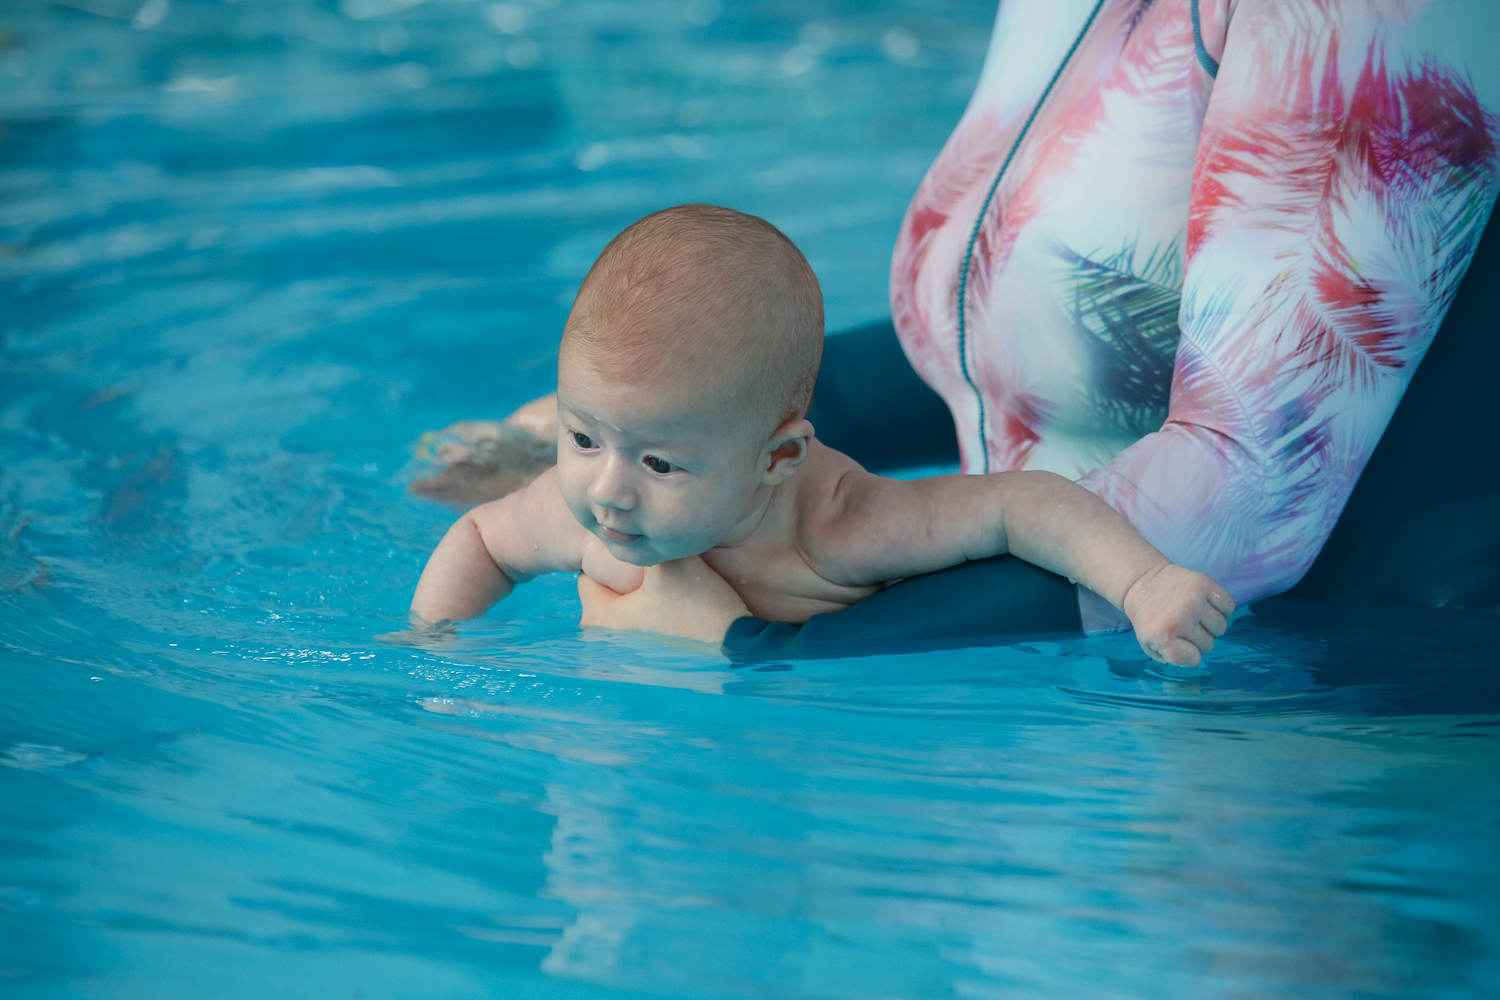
(249, 252)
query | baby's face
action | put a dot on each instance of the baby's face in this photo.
(657, 472)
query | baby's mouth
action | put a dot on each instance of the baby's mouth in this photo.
(620, 537)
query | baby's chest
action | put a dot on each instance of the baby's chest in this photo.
(777, 584)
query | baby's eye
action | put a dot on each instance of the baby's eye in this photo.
(660, 466)
(583, 441)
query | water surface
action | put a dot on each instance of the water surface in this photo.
(250, 251)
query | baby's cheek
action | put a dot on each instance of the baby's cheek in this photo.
(578, 508)
(700, 536)
(686, 523)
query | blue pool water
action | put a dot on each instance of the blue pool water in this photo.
(250, 251)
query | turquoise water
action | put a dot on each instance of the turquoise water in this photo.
(250, 251)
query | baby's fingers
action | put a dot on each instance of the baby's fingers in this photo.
(1185, 647)
(1214, 621)
(1177, 651)
(1221, 601)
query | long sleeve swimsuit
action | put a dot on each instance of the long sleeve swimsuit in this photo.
(1190, 254)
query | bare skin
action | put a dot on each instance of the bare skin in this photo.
(683, 598)
(662, 495)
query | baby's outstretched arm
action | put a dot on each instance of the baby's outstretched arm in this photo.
(496, 546)
(875, 530)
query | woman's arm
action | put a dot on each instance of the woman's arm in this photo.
(1344, 178)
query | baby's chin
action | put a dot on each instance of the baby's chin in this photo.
(633, 556)
(636, 553)
(642, 553)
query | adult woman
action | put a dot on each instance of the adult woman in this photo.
(1191, 253)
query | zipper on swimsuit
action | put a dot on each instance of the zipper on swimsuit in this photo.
(963, 277)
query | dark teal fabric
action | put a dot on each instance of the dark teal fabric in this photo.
(870, 405)
(985, 602)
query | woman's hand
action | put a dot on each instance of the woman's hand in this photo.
(478, 460)
(1177, 613)
(683, 598)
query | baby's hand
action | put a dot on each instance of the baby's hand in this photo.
(1177, 613)
(683, 598)
(422, 634)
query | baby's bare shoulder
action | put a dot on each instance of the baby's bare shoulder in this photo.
(861, 529)
(824, 485)
(532, 529)
(822, 475)
(539, 498)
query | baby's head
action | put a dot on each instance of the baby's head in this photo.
(697, 298)
(685, 373)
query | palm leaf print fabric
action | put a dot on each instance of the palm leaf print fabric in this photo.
(1190, 253)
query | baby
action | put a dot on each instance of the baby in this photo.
(683, 381)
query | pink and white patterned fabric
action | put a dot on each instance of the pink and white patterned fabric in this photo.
(1190, 253)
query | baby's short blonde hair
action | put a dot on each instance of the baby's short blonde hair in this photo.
(703, 292)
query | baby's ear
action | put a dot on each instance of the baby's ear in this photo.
(786, 450)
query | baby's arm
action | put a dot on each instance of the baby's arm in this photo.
(875, 530)
(496, 546)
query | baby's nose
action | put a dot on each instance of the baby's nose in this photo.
(611, 486)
